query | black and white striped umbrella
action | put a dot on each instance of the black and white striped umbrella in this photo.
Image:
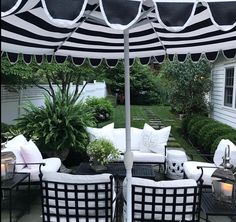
(94, 29)
(118, 29)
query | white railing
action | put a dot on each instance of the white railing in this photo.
(12, 103)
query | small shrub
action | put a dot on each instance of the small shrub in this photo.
(206, 133)
(210, 136)
(193, 120)
(101, 108)
(102, 151)
(196, 128)
(184, 125)
(202, 133)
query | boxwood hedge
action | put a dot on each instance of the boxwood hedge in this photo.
(205, 133)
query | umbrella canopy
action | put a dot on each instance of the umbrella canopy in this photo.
(94, 29)
(118, 29)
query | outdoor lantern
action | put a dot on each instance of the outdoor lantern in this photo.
(223, 181)
(8, 161)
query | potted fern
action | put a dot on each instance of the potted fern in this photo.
(101, 152)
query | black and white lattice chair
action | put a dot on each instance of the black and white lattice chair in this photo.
(175, 200)
(77, 198)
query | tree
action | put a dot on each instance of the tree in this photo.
(63, 75)
(17, 76)
(189, 85)
(143, 85)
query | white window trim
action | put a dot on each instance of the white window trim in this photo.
(233, 108)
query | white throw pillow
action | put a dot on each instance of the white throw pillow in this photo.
(220, 152)
(31, 154)
(154, 140)
(94, 133)
(14, 145)
(105, 132)
(136, 137)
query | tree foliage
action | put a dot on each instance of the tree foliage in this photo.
(143, 85)
(18, 75)
(62, 75)
(189, 85)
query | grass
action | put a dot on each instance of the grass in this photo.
(139, 118)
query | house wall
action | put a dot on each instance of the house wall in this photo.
(12, 103)
(220, 112)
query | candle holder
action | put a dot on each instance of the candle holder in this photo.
(224, 181)
(8, 162)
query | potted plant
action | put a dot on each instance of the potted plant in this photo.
(101, 151)
(58, 126)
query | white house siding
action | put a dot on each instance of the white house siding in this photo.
(12, 103)
(220, 112)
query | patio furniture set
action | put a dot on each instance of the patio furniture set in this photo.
(95, 197)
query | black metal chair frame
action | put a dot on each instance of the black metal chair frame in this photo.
(157, 210)
(97, 199)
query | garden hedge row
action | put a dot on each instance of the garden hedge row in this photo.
(206, 133)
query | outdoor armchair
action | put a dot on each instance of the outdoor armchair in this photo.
(28, 157)
(192, 170)
(176, 200)
(77, 198)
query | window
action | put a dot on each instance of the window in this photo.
(230, 85)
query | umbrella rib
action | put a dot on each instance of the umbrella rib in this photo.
(79, 24)
(157, 34)
(145, 14)
(98, 21)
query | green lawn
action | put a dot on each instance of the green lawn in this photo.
(139, 117)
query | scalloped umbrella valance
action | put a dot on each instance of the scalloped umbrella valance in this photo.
(118, 29)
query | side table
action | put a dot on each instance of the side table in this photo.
(175, 160)
(212, 207)
(9, 185)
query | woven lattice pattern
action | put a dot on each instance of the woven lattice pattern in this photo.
(77, 202)
(165, 204)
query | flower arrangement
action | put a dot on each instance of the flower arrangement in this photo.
(102, 151)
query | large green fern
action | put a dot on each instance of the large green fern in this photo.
(58, 124)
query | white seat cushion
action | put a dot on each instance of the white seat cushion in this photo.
(220, 152)
(53, 164)
(145, 157)
(191, 171)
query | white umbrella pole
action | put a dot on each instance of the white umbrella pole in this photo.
(128, 155)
